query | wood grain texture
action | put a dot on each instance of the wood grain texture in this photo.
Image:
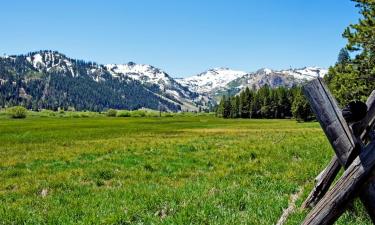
(323, 181)
(331, 120)
(327, 176)
(333, 204)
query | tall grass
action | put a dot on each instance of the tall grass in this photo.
(150, 170)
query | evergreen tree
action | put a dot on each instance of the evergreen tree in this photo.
(227, 108)
(300, 108)
(355, 79)
(343, 57)
(220, 108)
(235, 107)
(266, 103)
(245, 102)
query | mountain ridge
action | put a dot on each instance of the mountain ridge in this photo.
(128, 86)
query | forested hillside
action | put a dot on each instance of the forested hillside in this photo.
(50, 80)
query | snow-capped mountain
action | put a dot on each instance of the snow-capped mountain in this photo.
(306, 73)
(136, 79)
(160, 82)
(50, 61)
(211, 80)
(217, 82)
(273, 78)
(55, 62)
(51, 79)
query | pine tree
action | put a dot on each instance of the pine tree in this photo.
(220, 108)
(355, 79)
(235, 107)
(245, 102)
(227, 108)
(343, 57)
(300, 107)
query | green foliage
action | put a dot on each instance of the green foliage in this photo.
(346, 84)
(47, 113)
(168, 114)
(138, 113)
(54, 89)
(344, 57)
(354, 79)
(123, 113)
(111, 112)
(265, 103)
(17, 112)
(300, 108)
(153, 113)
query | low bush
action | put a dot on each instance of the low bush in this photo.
(17, 112)
(152, 113)
(48, 113)
(123, 113)
(138, 113)
(112, 112)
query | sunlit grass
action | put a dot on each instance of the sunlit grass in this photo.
(169, 170)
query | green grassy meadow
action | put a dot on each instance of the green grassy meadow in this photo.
(169, 170)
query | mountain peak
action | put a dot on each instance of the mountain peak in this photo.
(211, 79)
(265, 71)
(131, 63)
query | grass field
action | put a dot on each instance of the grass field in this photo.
(178, 170)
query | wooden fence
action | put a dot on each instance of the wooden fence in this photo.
(354, 147)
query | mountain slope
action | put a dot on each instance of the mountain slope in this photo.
(49, 79)
(218, 82)
(210, 81)
(159, 82)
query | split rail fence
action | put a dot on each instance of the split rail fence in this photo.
(354, 147)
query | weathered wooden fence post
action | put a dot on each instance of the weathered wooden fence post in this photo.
(334, 203)
(347, 148)
(324, 180)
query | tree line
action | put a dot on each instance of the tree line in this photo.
(266, 103)
(351, 78)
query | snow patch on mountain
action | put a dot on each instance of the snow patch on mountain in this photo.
(307, 73)
(141, 72)
(190, 92)
(210, 80)
(154, 77)
(274, 78)
(51, 61)
(217, 82)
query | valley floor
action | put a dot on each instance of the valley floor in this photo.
(170, 170)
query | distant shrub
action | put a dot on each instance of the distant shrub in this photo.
(138, 113)
(85, 115)
(3, 112)
(152, 113)
(17, 112)
(76, 115)
(47, 113)
(112, 112)
(123, 113)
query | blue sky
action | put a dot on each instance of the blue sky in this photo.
(181, 37)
